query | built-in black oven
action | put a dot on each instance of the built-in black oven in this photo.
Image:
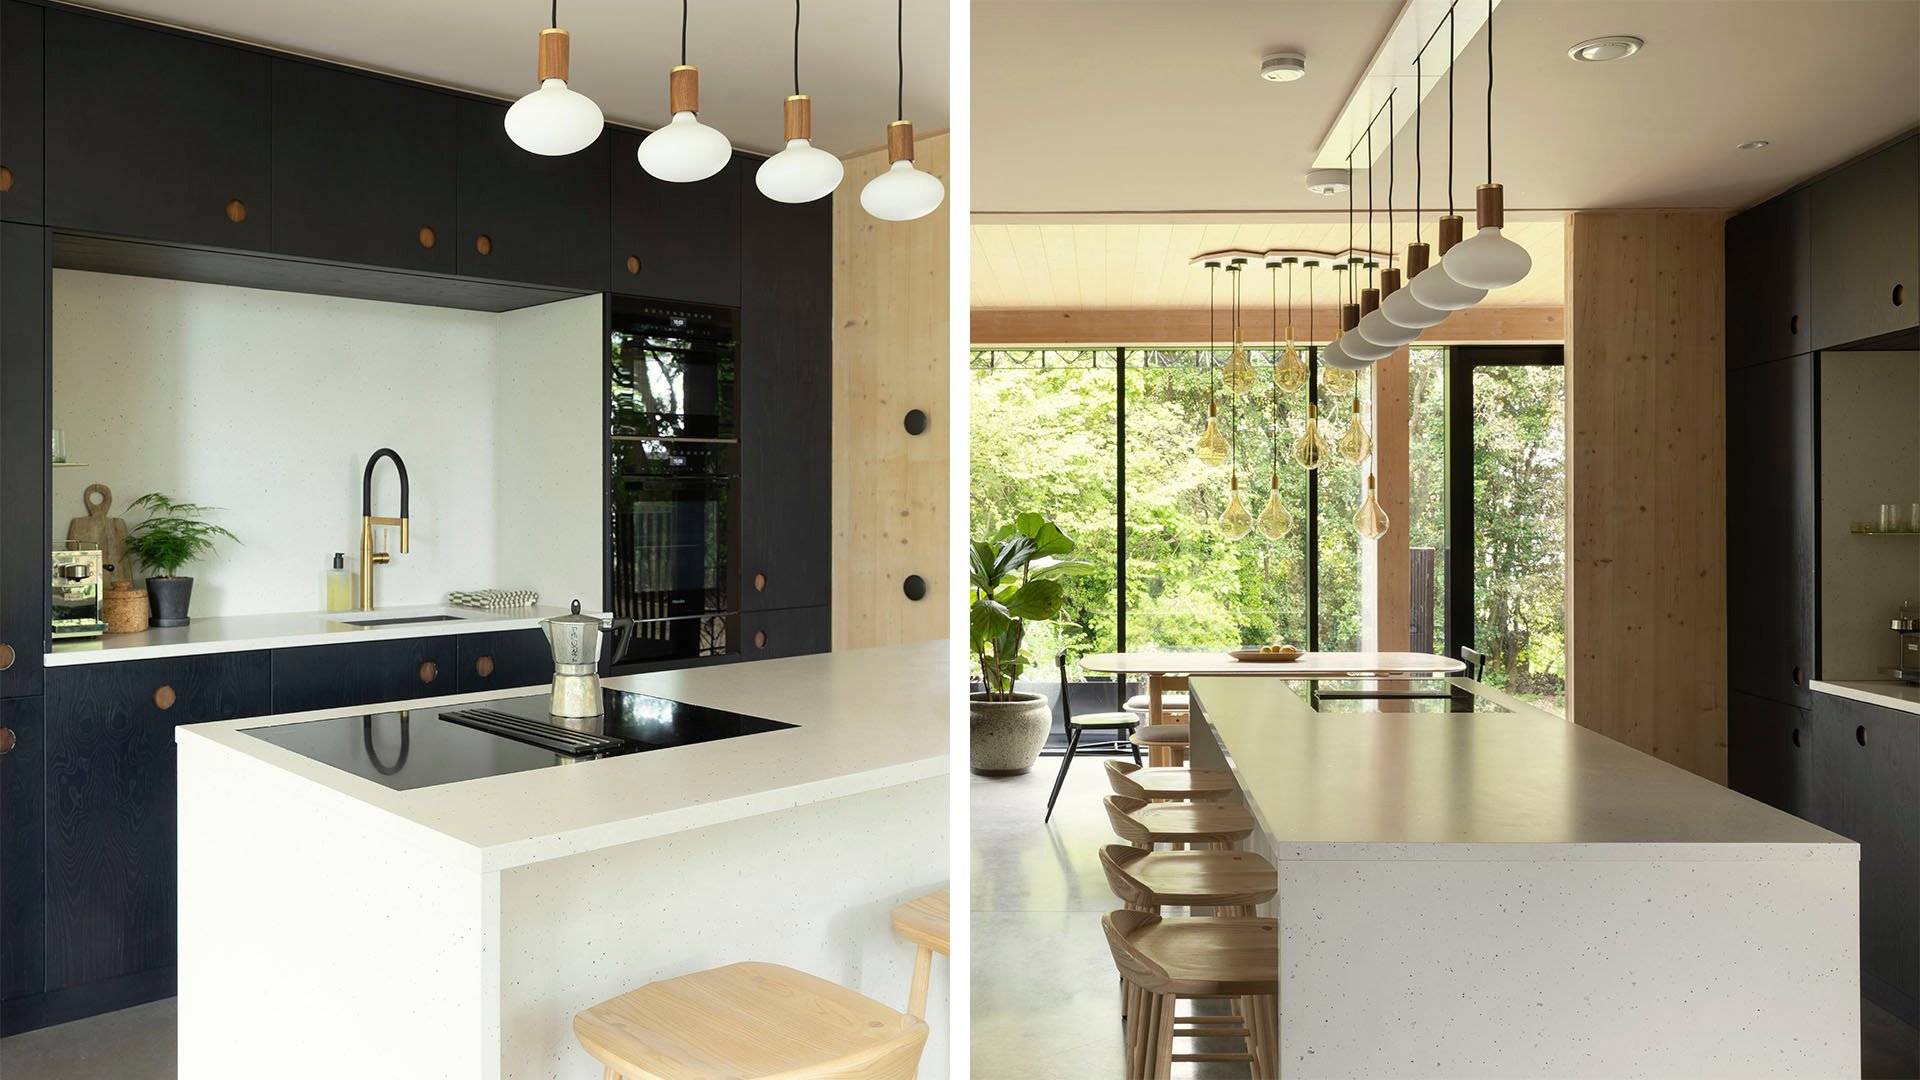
(674, 368)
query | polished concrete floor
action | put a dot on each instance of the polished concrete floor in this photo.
(1044, 997)
(136, 1042)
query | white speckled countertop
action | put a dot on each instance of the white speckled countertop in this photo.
(1485, 786)
(867, 719)
(242, 633)
(1886, 693)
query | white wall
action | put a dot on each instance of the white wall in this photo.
(268, 404)
(1869, 454)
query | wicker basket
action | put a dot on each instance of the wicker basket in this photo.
(126, 608)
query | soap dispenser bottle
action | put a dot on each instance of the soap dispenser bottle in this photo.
(340, 584)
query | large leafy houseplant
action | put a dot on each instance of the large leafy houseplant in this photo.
(1015, 574)
(173, 534)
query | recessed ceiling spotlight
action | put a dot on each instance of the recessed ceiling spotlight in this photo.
(1329, 181)
(1602, 49)
(1754, 144)
(1283, 67)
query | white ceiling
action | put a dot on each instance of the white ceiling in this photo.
(622, 50)
(1156, 106)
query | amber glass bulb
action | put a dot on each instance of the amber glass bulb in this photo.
(1311, 449)
(1356, 444)
(1338, 382)
(1212, 448)
(1370, 521)
(1274, 521)
(1236, 522)
(1290, 371)
(1239, 375)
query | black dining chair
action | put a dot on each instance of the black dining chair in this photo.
(1475, 660)
(1122, 723)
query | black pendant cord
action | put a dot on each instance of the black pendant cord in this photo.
(1310, 269)
(900, 51)
(683, 32)
(1490, 91)
(1351, 257)
(1233, 398)
(1213, 284)
(1390, 136)
(1419, 104)
(1370, 164)
(1273, 304)
(1450, 66)
(554, 22)
(796, 48)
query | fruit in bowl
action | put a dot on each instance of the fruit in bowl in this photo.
(1282, 650)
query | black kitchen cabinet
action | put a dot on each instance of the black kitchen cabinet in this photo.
(525, 217)
(24, 477)
(23, 852)
(363, 673)
(1865, 224)
(675, 241)
(1770, 750)
(786, 404)
(503, 660)
(1771, 514)
(768, 635)
(110, 828)
(363, 169)
(1768, 274)
(156, 135)
(23, 146)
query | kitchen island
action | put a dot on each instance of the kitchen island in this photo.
(453, 930)
(1473, 887)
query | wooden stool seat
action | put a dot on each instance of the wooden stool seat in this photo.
(1170, 701)
(926, 924)
(1149, 880)
(1163, 735)
(1196, 784)
(1162, 960)
(1144, 824)
(750, 1020)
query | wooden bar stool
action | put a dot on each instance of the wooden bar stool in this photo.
(1166, 744)
(1172, 702)
(750, 1020)
(925, 923)
(1196, 785)
(1161, 960)
(1232, 883)
(1144, 824)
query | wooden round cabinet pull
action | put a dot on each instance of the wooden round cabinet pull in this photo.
(6, 657)
(7, 739)
(483, 667)
(428, 237)
(633, 264)
(483, 244)
(759, 583)
(429, 671)
(163, 698)
(759, 639)
(6, 178)
(236, 211)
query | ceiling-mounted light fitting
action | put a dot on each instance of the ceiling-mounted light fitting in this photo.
(1434, 287)
(1329, 181)
(685, 150)
(903, 192)
(1754, 144)
(554, 120)
(1339, 355)
(1356, 344)
(1489, 260)
(1283, 67)
(1602, 49)
(1376, 327)
(1400, 306)
(802, 172)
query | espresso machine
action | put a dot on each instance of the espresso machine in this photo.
(79, 592)
(1907, 625)
(576, 643)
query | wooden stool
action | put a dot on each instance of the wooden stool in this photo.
(1172, 701)
(1144, 824)
(1161, 960)
(1186, 784)
(1166, 744)
(750, 1020)
(1229, 882)
(925, 923)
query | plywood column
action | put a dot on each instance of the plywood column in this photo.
(1384, 562)
(890, 355)
(1646, 477)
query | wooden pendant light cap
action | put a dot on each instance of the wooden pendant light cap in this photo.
(554, 46)
(900, 141)
(683, 89)
(1349, 316)
(799, 117)
(1451, 230)
(1419, 257)
(1489, 206)
(1389, 282)
(1369, 301)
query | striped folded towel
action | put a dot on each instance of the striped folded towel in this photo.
(494, 599)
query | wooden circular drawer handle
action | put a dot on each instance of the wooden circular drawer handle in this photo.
(759, 639)
(428, 237)
(7, 739)
(633, 264)
(6, 178)
(6, 657)
(483, 244)
(236, 211)
(163, 698)
(759, 583)
(429, 671)
(483, 667)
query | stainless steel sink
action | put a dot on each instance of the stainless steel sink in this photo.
(398, 619)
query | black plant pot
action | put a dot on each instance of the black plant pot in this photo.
(169, 597)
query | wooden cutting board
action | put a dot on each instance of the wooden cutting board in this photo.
(99, 530)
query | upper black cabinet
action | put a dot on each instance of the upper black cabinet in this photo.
(1865, 224)
(524, 217)
(363, 169)
(23, 147)
(1771, 512)
(24, 525)
(786, 404)
(156, 135)
(1768, 267)
(675, 241)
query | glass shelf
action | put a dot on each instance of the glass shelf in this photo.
(69, 464)
(1868, 528)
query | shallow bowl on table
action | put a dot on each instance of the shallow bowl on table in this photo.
(1258, 657)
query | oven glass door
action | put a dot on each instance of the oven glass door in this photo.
(673, 538)
(673, 373)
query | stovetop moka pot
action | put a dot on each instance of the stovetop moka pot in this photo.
(576, 642)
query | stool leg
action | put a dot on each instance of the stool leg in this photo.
(922, 970)
(1131, 745)
(1073, 744)
(611, 1074)
(1163, 1037)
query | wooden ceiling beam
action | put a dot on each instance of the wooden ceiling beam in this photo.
(1188, 326)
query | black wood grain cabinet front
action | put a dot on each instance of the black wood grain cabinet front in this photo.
(110, 827)
(156, 135)
(524, 217)
(23, 851)
(23, 146)
(24, 476)
(504, 660)
(1865, 230)
(1771, 512)
(1768, 267)
(769, 635)
(363, 673)
(676, 241)
(1770, 749)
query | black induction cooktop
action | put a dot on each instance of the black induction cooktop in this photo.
(426, 747)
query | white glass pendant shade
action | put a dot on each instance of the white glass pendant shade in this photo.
(1488, 260)
(1378, 329)
(1405, 309)
(1235, 523)
(902, 193)
(684, 151)
(1336, 355)
(1357, 348)
(802, 172)
(554, 120)
(1436, 290)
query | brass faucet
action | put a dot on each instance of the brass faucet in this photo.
(368, 556)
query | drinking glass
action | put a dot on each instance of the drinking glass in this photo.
(59, 445)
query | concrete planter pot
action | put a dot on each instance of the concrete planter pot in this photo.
(1007, 732)
(169, 597)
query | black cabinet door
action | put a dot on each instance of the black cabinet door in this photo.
(675, 241)
(23, 851)
(504, 660)
(156, 135)
(363, 673)
(792, 632)
(23, 145)
(110, 803)
(24, 389)
(1768, 299)
(786, 404)
(524, 217)
(1770, 750)
(1865, 224)
(1771, 502)
(363, 169)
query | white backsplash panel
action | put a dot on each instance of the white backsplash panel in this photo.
(1869, 454)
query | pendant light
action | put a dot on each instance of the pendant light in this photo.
(1311, 448)
(802, 172)
(1235, 522)
(1434, 287)
(1274, 522)
(1212, 448)
(554, 120)
(903, 192)
(1357, 345)
(1356, 445)
(1400, 306)
(1239, 375)
(685, 150)
(1335, 355)
(1290, 370)
(1370, 520)
(1374, 325)
(1489, 260)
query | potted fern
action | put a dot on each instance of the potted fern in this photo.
(173, 535)
(1015, 576)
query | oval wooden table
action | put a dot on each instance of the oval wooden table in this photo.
(1160, 667)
